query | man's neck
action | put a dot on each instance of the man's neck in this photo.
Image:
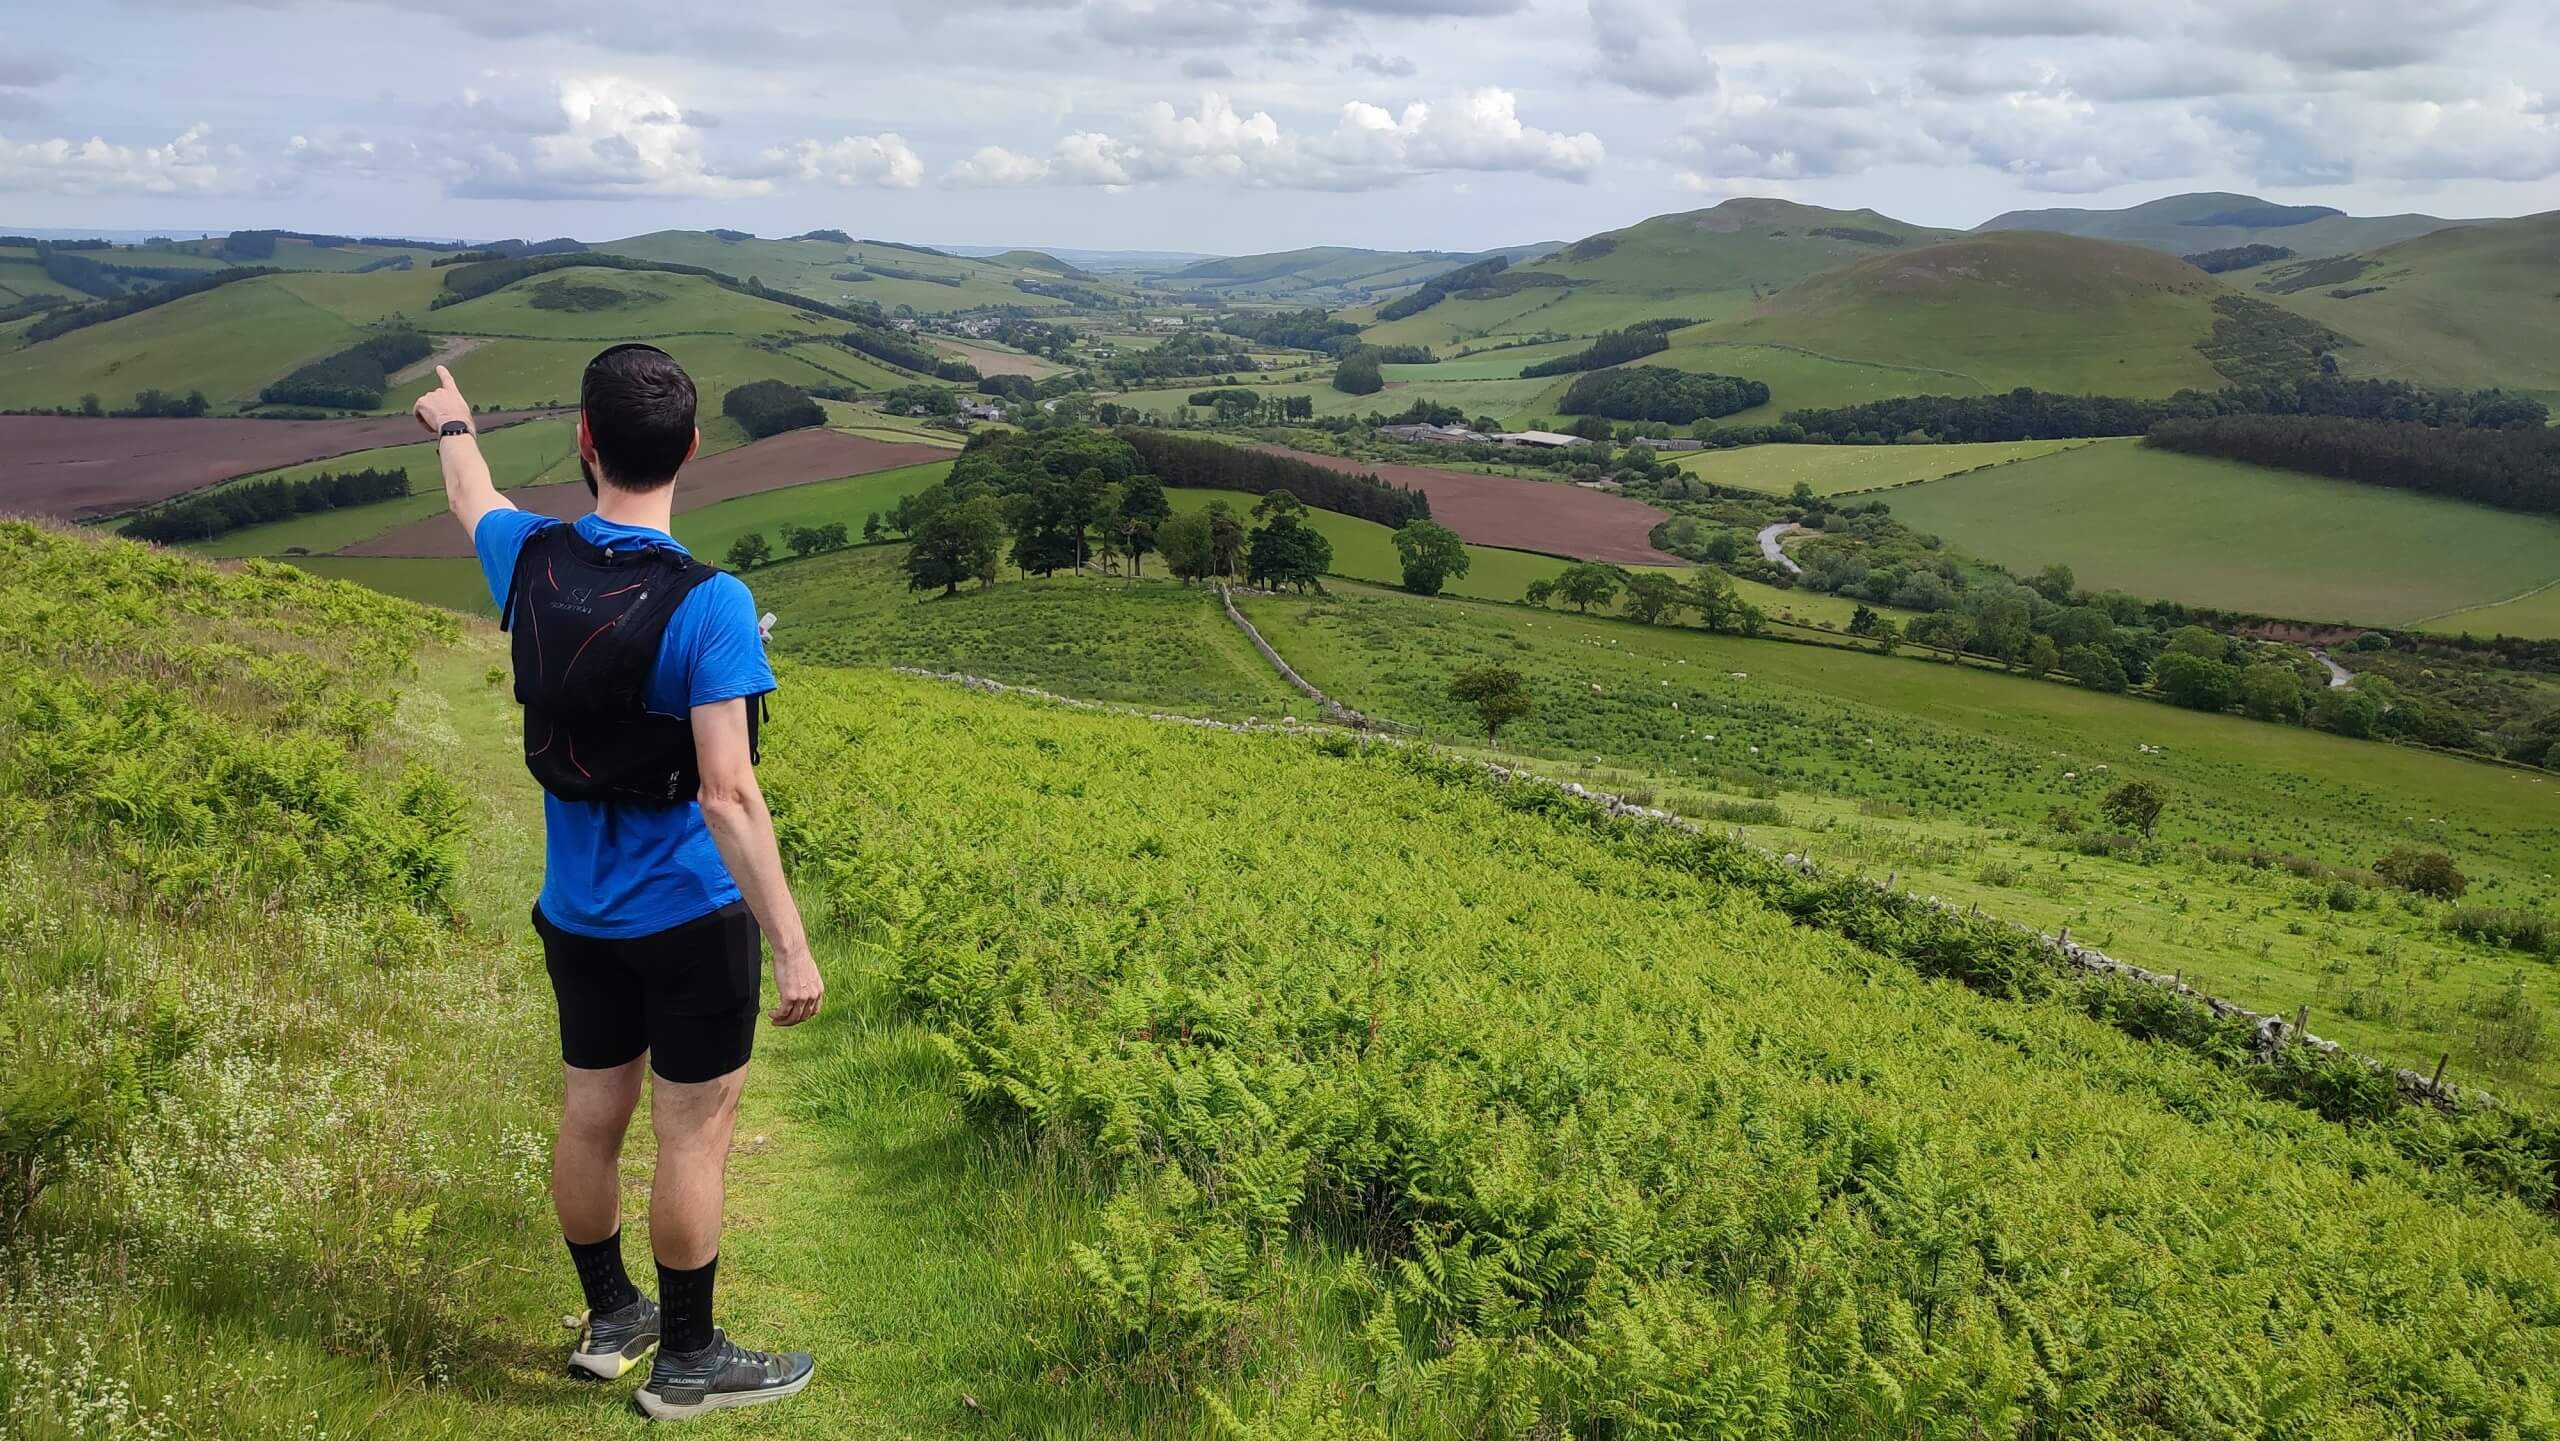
(654, 509)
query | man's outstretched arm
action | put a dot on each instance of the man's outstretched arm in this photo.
(467, 487)
(733, 808)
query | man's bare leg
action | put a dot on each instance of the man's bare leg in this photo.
(586, 1190)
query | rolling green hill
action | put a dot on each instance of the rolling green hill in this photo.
(2471, 305)
(1325, 274)
(2215, 220)
(591, 303)
(888, 276)
(1703, 265)
(2003, 310)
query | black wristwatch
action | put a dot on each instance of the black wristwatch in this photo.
(454, 427)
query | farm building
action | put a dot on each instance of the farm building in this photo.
(1435, 434)
(1539, 439)
(1649, 443)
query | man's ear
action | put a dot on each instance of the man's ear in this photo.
(587, 440)
(694, 449)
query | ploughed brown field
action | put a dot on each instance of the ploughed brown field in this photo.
(794, 457)
(74, 468)
(1539, 515)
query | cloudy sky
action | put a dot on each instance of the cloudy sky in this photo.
(1241, 125)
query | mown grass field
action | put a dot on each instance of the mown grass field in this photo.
(1151, 642)
(2536, 615)
(709, 532)
(1141, 1040)
(1838, 469)
(1936, 770)
(2221, 533)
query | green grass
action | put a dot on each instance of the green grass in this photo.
(24, 277)
(1506, 400)
(2536, 615)
(2220, 533)
(708, 532)
(2007, 309)
(2470, 306)
(1152, 642)
(1799, 380)
(509, 374)
(652, 304)
(1970, 764)
(527, 454)
(453, 583)
(1366, 550)
(809, 267)
(1840, 469)
(228, 342)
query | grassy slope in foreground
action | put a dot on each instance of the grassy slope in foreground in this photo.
(2221, 533)
(1646, 1096)
(2008, 309)
(2472, 306)
(1979, 762)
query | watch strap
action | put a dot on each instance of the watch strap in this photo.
(455, 427)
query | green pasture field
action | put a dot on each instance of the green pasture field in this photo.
(1145, 642)
(368, 299)
(21, 276)
(656, 304)
(2536, 616)
(2470, 306)
(808, 267)
(1840, 469)
(1505, 400)
(1801, 380)
(514, 374)
(533, 453)
(710, 531)
(855, 419)
(1366, 550)
(2221, 533)
(454, 583)
(229, 342)
(1968, 766)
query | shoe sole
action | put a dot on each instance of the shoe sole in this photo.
(609, 1365)
(656, 1410)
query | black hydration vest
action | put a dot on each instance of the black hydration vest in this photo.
(587, 622)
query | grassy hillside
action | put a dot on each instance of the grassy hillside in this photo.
(1950, 777)
(1844, 469)
(1704, 265)
(1172, 1083)
(1327, 275)
(2005, 310)
(2191, 224)
(2472, 306)
(228, 342)
(588, 303)
(813, 267)
(2220, 533)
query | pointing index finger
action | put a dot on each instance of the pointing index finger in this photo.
(444, 377)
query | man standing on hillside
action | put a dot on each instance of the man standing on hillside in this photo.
(643, 677)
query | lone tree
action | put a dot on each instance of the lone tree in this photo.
(1358, 375)
(749, 551)
(1587, 584)
(957, 542)
(2136, 804)
(1497, 694)
(1432, 555)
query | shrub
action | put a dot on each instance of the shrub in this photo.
(2528, 931)
(2425, 873)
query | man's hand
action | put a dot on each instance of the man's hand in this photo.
(797, 984)
(442, 404)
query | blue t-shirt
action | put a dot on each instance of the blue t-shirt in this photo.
(618, 871)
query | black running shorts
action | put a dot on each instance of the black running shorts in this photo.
(686, 996)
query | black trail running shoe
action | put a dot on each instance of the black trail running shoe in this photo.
(611, 1344)
(720, 1376)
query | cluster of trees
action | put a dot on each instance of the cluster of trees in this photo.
(1614, 347)
(1652, 598)
(1193, 352)
(500, 250)
(2028, 414)
(2517, 469)
(1198, 463)
(770, 407)
(753, 549)
(1441, 286)
(1358, 374)
(1310, 329)
(1237, 405)
(103, 279)
(1065, 495)
(2237, 257)
(1202, 543)
(97, 312)
(219, 512)
(1657, 392)
(155, 404)
(354, 378)
(576, 299)
(888, 343)
(1285, 550)
(26, 305)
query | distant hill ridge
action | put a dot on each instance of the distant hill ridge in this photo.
(2219, 220)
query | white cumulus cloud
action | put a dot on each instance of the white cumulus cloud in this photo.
(885, 160)
(191, 163)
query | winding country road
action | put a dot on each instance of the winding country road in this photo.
(1769, 537)
(2339, 676)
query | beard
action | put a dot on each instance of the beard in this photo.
(587, 473)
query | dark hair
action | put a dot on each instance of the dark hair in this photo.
(639, 406)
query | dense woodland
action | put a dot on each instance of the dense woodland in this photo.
(1191, 353)
(2515, 469)
(770, 407)
(1657, 392)
(1309, 329)
(2026, 414)
(1612, 348)
(354, 378)
(1439, 287)
(1201, 464)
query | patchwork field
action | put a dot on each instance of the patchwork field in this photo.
(79, 468)
(2219, 533)
(230, 343)
(1844, 469)
(1550, 517)
(991, 360)
(643, 305)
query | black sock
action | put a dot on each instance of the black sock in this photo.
(600, 1273)
(685, 1299)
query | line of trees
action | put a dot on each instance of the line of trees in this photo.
(105, 280)
(1651, 597)
(887, 343)
(219, 512)
(98, 312)
(2029, 414)
(1615, 347)
(354, 378)
(2514, 469)
(1441, 286)
(2237, 257)
(1198, 463)
(1657, 392)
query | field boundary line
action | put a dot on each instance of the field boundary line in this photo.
(1334, 710)
(2484, 605)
